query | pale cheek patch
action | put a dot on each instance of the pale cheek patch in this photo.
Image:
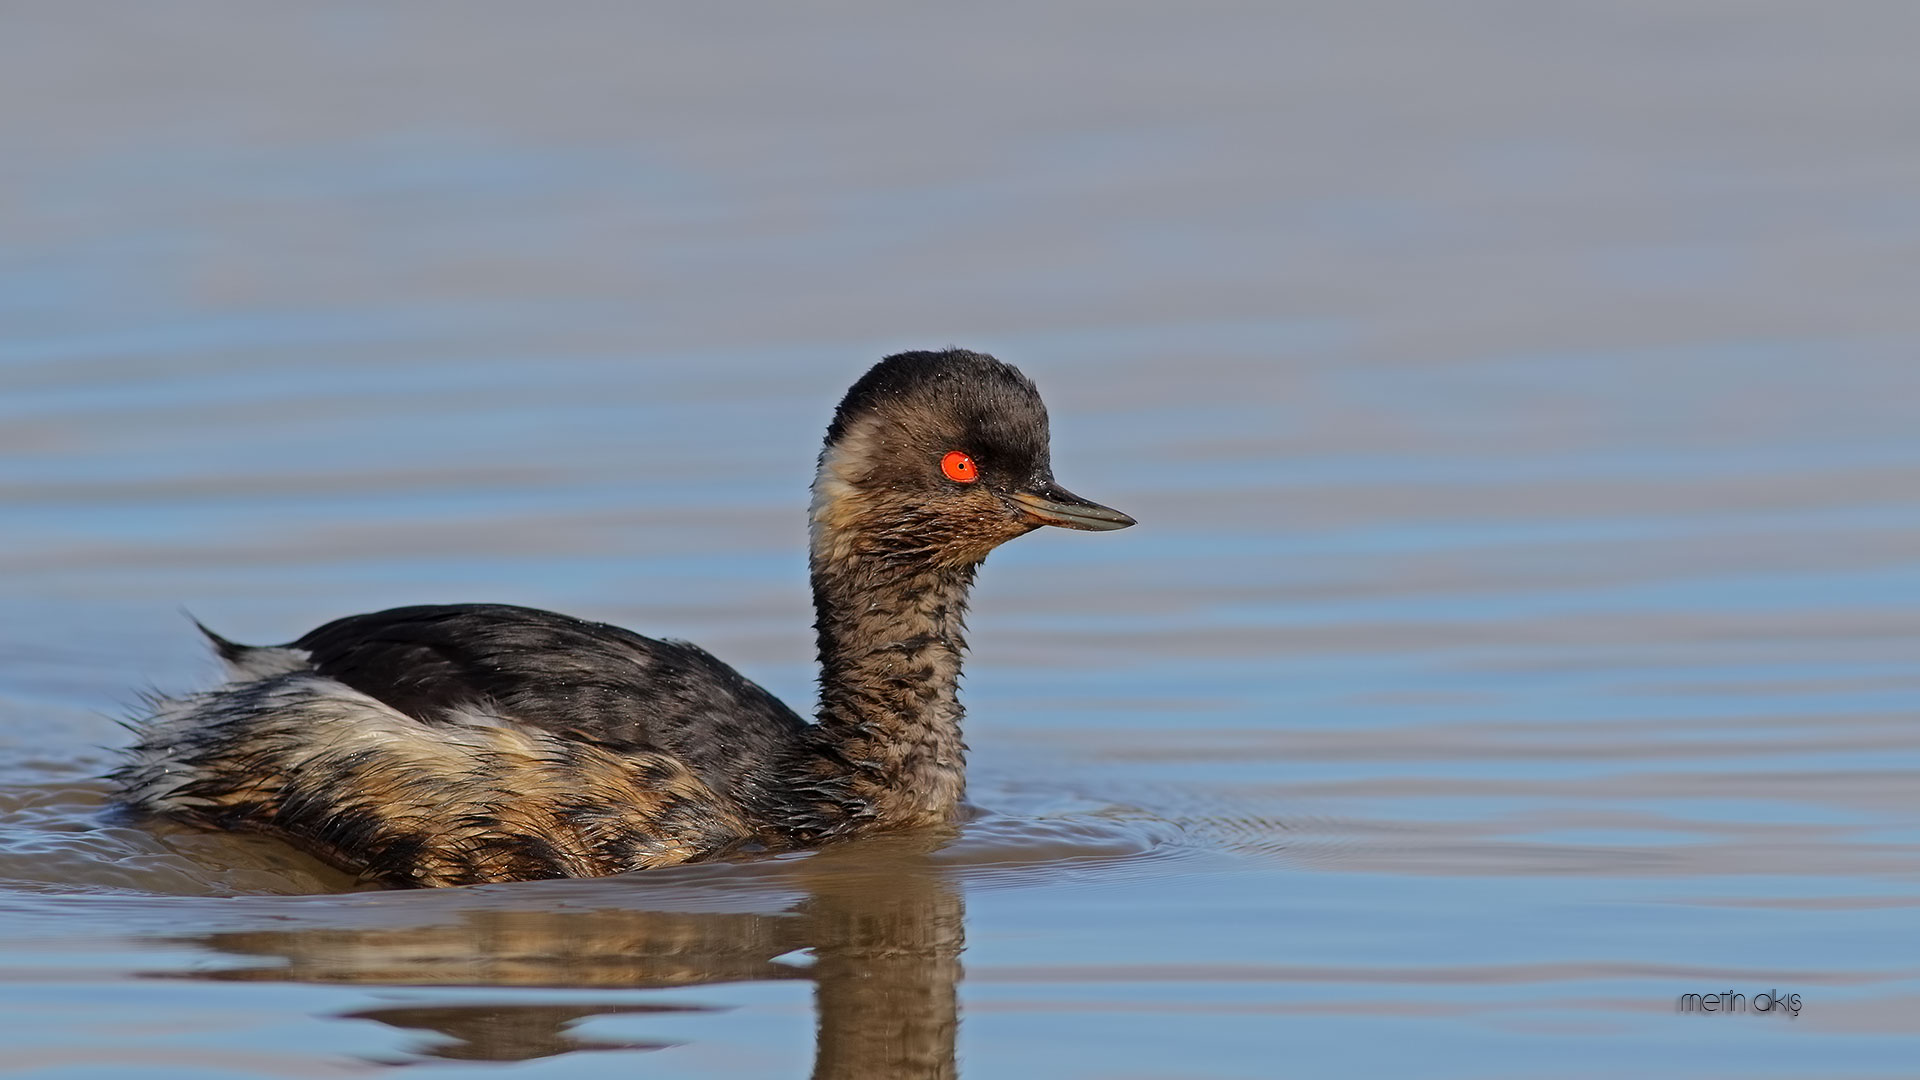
(834, 518)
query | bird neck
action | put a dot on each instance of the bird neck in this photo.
(888, 751)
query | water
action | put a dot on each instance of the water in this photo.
(1519, 403)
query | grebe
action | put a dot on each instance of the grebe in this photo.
(469, 743)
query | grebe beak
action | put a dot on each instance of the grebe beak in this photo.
(1052, 504)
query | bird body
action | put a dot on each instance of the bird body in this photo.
(459, 744)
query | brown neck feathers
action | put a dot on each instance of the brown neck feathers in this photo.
(889, 617)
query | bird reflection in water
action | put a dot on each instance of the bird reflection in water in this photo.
(508, 1032)
(882, 924)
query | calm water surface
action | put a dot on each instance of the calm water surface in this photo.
(1520, 405)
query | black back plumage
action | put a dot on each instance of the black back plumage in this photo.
(585, 680)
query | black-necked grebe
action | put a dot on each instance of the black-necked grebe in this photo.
(467, 743)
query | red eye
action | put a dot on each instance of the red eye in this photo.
(959, 467)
